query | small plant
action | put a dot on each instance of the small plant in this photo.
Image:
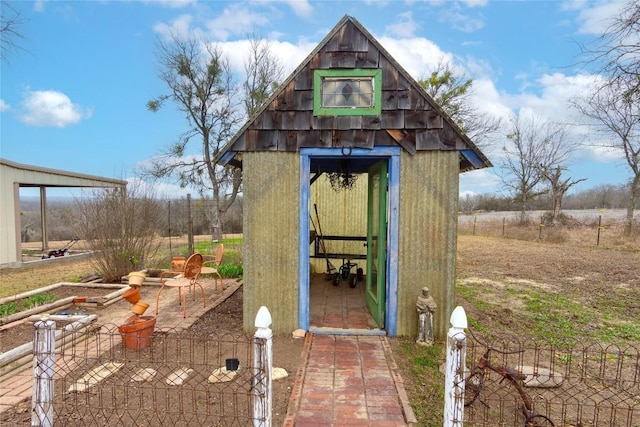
(37, 300)
(230, 270)
(8, 308)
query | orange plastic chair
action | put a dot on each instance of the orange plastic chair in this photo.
(187, 278)
(216, 261)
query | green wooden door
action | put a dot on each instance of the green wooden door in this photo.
(377, 242)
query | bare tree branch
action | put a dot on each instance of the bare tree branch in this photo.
(10, 34)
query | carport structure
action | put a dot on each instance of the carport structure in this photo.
(14, 176)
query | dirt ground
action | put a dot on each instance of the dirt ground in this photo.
(603, 284)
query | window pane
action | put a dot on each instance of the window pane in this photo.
(347, 92)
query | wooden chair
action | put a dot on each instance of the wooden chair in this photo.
(186, 278)
(216, 260)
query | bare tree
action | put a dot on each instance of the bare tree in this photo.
(10, 34)
(559, 187)
(264, 73)
(616, 115)
(619, 50)
(200, 82)
(452, 90)
(614, 104)
(534, 145)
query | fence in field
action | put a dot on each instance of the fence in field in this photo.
(177, 378)
(527, 383)
(594, 227)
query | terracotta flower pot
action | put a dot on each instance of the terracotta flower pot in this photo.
(136, 278)
(132, 294)
(140, 307)
(137, 331)
(177, 263)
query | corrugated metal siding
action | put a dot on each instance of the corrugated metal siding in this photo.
(427, 241)
(272, 202)
(342, 213)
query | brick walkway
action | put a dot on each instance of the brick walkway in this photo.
(348, 381)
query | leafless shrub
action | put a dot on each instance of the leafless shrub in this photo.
(120, 229)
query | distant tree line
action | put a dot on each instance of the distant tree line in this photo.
(604, 196)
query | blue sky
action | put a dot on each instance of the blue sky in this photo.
(74, 97)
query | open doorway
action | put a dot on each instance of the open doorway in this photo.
(348, 213)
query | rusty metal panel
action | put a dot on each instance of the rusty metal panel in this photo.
(272, 201)
(427, 241)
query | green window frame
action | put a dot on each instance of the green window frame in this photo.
(334, 90)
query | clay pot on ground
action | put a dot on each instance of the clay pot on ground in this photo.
(139, 308)
(177, 263)
(136, 278)
(137, 331)
(132, 295)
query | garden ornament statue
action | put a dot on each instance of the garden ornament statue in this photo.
(426, 307)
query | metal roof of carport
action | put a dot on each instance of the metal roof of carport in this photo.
(13, 176)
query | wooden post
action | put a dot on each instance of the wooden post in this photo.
(262, 369)
(455, 370)
(190, 225)
(44, 351)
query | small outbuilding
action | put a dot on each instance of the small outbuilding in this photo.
(14, 176)
(350, 161)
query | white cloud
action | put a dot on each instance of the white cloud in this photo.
(4, 106)
(173, 4)
(179, 27)
(38, 6)
(475, 3)
(461, 21)
(288, 54)
(417, 55)
(236, 19)
(300, 7)
(404, 27)
(51, 108)
(596, 19)
(478, 182)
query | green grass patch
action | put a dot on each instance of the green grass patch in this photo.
(427, 394)
(13, 307)
(553, 317)
(8, 308)
(230, 270)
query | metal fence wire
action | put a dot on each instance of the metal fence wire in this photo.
(179, 379)
(577, 385)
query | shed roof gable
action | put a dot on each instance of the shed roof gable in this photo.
(409, 117)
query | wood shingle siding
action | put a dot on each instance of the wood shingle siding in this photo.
(408, 117)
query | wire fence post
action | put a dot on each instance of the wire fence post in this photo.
(455, 369)
(262, 368)
(44, 351)
(599, 228)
